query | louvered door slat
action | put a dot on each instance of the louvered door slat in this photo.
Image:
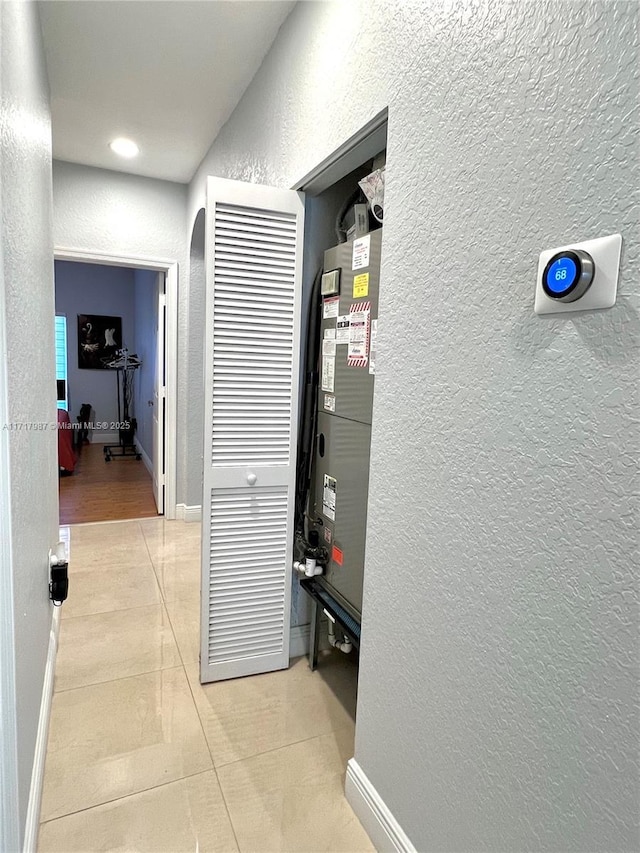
(253, 271)
(253, 242)
(244, 618)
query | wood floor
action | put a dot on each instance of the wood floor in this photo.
(105, 491)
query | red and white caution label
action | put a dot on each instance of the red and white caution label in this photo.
(360, 320)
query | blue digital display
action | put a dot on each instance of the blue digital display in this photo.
(561, 275)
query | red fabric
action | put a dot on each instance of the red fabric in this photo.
(66, 456)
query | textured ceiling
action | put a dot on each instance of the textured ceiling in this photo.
(166, 74)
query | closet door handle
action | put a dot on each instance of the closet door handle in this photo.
(252, 479)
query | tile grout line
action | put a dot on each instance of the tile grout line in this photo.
(110, 521)
(119, 678)
(213, 764)
(155, 574)
(331, 731)
(105, 612)
(125, 797)
(204, 734)
(153, 567)
(164, 601)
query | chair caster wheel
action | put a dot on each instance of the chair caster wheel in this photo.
(138, 456)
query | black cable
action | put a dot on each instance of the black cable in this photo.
(308, 405)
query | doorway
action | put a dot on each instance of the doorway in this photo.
(252, 342)
(117, 395)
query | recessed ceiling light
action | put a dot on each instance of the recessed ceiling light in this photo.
(124, 147)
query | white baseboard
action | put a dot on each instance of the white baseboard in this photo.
(148, 464)
(37, 774)
(381, 826)
(188, 513)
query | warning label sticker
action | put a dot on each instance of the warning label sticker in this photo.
(361, 285)
(329, 334)
(330, 307)
(361, 249)
(328, 373)
(329, 403)
(329, 497)
(358, 352)
(329, 347)
(337, 555)
(342, 328)
(327, 534)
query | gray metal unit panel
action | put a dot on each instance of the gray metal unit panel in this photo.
(346, 458)
(353, 390)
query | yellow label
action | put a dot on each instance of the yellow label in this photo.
(361, 285)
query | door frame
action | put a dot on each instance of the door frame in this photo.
(365, 143)
(158, 420)
(170, 269)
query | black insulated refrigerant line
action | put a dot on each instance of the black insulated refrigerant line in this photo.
(309, 408)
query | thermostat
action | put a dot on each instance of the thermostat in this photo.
(579, 277)
(568, 275)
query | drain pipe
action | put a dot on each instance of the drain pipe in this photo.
(308, 567)
(343, 647)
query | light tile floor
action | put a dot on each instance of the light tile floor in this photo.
(142, 757)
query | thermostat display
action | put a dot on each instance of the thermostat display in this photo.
(568, 275)
(561, 275)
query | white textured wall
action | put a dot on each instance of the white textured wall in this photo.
(498, 684)
(25, 192)
(96, 210)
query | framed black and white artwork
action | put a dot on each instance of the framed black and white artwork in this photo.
(99, 339)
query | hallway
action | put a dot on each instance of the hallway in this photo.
(142, 757)
(105, 491)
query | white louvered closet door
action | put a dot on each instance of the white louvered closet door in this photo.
(253, 274)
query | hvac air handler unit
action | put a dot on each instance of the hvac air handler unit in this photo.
(331, 552)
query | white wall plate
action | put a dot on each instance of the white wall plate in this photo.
(605, 252)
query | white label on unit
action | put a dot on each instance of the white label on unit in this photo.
(330, 308)
(329, 403)
(329, 334)
(328, 373)
(329, 347)
(342, 328)
(361, 249)
(372, 347)
(329, 497)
